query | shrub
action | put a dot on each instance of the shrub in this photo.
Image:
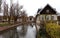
(53, 30)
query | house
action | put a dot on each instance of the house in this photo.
(30, 19)
(46, 14)
(58, 17)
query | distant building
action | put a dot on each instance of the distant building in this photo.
(30, 19)
(46, 14)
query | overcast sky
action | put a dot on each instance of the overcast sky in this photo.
(31, 6)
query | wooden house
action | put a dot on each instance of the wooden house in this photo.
(46, 14)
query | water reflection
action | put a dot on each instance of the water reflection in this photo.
(1, 36)
(30, 32)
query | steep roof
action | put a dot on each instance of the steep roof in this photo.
(47, 7)
(43, 11)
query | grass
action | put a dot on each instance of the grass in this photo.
(4, 24)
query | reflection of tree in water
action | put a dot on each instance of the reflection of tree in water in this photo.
(23, 30)
(31, 25)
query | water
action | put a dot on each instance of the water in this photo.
(30, 32)
(1, 36)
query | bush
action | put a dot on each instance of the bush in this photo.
(53, 30)
(38, 35)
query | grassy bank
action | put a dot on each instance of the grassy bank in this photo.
(5, 24)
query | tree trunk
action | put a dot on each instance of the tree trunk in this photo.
(9, 20)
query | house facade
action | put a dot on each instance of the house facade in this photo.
(46, 14)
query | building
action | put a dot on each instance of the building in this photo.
(58, 19)
(46, 14)
(30, 18)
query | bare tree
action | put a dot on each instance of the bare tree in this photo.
(10, 14)
(0, 5)
(16, 13)
(24, 21)
(13, 14)
(5, 11)
(24, 15)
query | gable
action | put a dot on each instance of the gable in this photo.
(48, 10)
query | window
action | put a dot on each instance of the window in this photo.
(52, 17)
(47, 11)
(30, 18)
(47, 17)
(42, 17)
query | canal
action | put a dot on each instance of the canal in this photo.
(29, 31)
(26, 31)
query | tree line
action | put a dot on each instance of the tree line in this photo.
(13, 12)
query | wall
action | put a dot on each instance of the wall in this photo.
(46, 18)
